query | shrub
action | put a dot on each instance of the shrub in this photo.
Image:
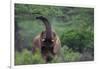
(18, 58)
(26, 57)
(68, 55)
(37, 58)
(78, 41)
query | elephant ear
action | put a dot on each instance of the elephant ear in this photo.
(57, 46)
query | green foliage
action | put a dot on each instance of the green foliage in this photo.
(78, 41)
(18, 58)
(68, 55)
(37, 58)
(26, 57)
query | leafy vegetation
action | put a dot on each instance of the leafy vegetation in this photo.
(78, 41)
(74, 26)
(26, 57)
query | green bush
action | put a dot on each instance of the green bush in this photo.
(18, 58)
(68, 55)
(26, 57)
(37, 58)
(78, 41)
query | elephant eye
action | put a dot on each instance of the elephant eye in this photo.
(52, 40)
(43, 39)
